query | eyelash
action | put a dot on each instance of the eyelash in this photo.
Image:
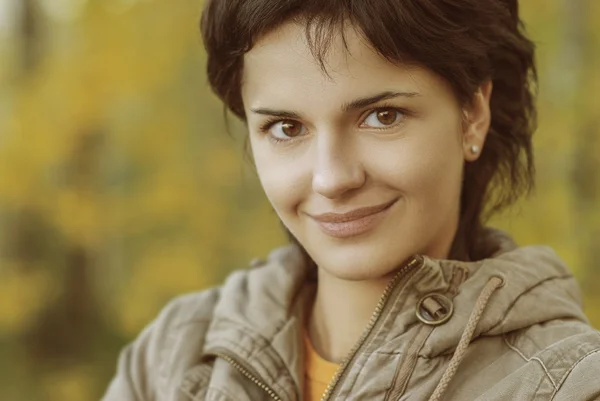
(268, 124)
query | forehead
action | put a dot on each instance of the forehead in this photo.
(281, 67)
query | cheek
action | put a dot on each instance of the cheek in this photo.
(426, 169)
(282, 177)
(439, 179)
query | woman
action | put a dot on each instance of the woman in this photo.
(384, 133)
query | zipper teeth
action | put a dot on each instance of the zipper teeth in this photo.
(374, 318)
(249, 375)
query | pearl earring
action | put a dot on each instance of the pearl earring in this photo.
(475, 149)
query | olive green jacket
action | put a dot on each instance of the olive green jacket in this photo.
(518, 312)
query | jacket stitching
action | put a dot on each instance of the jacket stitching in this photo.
(222, 393)
(191, 395)
(251, 354)
(199, 375)
(566, 375)
(514, 302)
(387, 353)
(356, 376)
(186, 392)
(275, 327)
(246, 331)
(260, 343)
(514, 348)
(182, 325)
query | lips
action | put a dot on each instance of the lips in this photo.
(354, 222)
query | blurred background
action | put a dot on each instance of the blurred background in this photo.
(120, 187)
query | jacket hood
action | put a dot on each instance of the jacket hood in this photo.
(538, 288)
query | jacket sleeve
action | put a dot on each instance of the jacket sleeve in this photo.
(144, 366)
(582, 383)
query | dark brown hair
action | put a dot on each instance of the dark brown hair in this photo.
(466, 42)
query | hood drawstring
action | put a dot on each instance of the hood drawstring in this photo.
(491, 286)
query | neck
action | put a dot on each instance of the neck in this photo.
(341, 312)
(343, 308)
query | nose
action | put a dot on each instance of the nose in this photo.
(337, 169)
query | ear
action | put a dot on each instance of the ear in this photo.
(477, 122)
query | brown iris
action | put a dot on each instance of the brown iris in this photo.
(387, 116)
(291, 128)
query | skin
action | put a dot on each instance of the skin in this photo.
(317, 155)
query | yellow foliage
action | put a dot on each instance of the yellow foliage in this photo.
(164, 271)
(23, 294)
(69, 384)
(77, 216)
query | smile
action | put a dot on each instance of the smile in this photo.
(353, 223)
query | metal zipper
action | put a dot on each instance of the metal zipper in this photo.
(415, 262)
(248, 373)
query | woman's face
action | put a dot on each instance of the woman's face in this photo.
(363, 164)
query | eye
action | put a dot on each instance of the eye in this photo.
(286, 129)
(382, 118)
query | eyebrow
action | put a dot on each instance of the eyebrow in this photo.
(369, 100)
(346, 107)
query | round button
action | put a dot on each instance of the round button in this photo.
(434, 309)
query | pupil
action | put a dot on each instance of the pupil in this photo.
(290, 128)
(386, 117)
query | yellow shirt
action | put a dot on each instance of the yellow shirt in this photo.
(317, 372)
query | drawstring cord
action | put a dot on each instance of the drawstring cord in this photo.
(461, 349)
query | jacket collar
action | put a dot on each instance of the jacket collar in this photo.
(259, 317)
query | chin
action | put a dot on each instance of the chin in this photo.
(356, 262)
(357, 272)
